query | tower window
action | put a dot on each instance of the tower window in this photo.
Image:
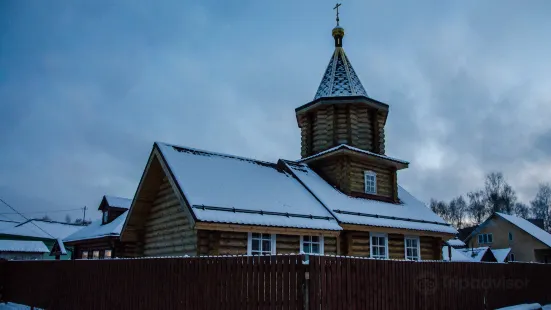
(370, 178)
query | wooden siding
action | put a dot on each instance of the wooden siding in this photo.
(384, 177)
(431, 248)
(167, 229)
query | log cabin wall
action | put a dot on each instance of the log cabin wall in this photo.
(235, 243)
(168, 231)
(331, 125)
(357, 243)
(385, 179)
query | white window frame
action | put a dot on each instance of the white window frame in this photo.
(374, 175)
(84, 255)
(94, 254)
(418, 247)
(383, 235)
(321, 243)
(105, 217)
(105, 254)
(250, 243)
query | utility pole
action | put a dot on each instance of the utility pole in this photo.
(84, 216)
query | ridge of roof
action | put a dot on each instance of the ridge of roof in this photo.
(196, 151)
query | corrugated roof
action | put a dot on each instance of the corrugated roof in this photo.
(23, 246)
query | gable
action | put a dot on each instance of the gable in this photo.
(500, 228)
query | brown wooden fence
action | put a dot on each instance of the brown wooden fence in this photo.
(272, 282)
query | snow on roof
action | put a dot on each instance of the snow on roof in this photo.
(23, 246)
(528, 227)
(351, 148)
(409, 214)
(118, 202)
(475, 254)
(501, 254)
(45, 229)
(215, 183)
(456, 242)
(61, 246)
(457, 256)
(97, 230)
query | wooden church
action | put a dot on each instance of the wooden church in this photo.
(342, 197)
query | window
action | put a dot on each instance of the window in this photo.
(412, 248)
(261, 244)
(370, 178)
(485, 238)
(105, 217)
(512, 257)
(95, 255)
(379, 245)
(311, 244)
(107, 254)
(84, 255)
(510, 236)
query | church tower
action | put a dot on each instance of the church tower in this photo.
(343, 132)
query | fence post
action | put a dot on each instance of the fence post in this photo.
(306, 286)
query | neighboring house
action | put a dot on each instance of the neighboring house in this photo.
(100, 240)
(342, 197)
(41, 230)
(526, 241)
(464, 233)
(481, 254)
(22, 250)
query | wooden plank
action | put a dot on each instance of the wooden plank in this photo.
(293, 273)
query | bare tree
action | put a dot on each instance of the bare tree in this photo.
(541, 204)
(441, 208)
(499, 196)
(521, 210)
(477, 208)
(458, 211)
(46, 218)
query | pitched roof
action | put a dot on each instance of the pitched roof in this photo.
(476, 254)
(230, 189)
(97, 230)
(23, 246)
(456, 243)
(501, 254)
(409, 214)
(118, 202)
(528, 227)
(457, 256)
(354, 149)
(42, 229)
(339, 78)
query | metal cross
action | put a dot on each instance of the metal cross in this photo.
(337, 8)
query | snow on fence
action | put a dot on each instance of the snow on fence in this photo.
(274, 282)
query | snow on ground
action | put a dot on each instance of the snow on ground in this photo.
(523, 307)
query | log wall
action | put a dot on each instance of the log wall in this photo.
(167, 229)
(332, 125)
(384, 177)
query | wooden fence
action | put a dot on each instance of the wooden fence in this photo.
(271, 282)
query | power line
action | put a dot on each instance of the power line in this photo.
(25, 218)
(45, 211)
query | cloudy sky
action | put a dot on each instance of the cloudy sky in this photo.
(86, 87)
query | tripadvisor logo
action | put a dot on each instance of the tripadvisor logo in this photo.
(426, 283)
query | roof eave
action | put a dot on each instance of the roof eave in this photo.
(399, 165)
(342, 100)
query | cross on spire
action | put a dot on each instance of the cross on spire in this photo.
(337, 8)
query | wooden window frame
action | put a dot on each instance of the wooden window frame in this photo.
(378, 235)
(418, 247)
(82, 255)
(374, 175)
(320, 241)
(512, 257)
(250, 243)
(93, 256)
(105, 217)
(105, 254)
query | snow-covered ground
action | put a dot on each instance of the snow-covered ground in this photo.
(527, 307)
